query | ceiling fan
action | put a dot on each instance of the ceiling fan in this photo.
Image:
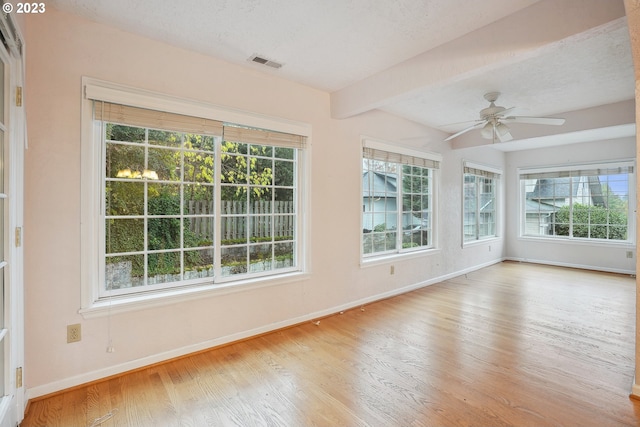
(493, 121)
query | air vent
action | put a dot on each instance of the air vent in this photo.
(264, 61)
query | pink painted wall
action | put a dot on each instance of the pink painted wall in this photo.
(61, 49)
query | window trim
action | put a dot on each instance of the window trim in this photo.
(607, 164)
(91, 164)
(493, 170)
(378, 144)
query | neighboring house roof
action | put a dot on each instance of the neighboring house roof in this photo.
(378, 184)
(531, 206)
(488, 206)
(564, 188)
(556, 188)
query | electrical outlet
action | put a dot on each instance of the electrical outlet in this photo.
(629, 254)
(392, 270)
(74, 333)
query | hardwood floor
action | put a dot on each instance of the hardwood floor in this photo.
(509, 345)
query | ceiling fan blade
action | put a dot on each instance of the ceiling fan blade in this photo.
(465, 130)
(534, 120)
(459, 123)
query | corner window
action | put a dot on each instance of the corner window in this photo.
(585, 202)
(397, 200)
(188, 200)
(479, 202)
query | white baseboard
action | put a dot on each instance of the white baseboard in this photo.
(56, 386)
(570, 265)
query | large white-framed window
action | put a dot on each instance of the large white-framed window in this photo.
(398, 199)
(589, 202)
(179, 194)
(480, 202)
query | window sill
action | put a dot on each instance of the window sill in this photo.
(383, 259)
(479, 242)
(141, 301)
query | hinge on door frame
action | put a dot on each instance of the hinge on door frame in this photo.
(18, 237)
(18, 377)
(18, 96)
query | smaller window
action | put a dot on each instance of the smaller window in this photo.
(479, 203)
(397, 199)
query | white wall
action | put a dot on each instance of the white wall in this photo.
(574, 254)
(60, 50)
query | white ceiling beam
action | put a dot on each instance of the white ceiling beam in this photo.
(512, 39)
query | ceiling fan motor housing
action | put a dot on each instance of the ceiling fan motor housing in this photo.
(492, 111)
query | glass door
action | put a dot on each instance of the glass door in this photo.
(12, 138)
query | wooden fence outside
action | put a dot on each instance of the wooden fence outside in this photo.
(233, 223)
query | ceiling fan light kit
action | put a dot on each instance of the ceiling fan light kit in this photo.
(487, 131)
(493, 119)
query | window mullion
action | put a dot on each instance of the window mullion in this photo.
(272, 187)
(478, 204)
(399, 208)
(146, 211)
(217, 195)
(570, 208)
(182, 207)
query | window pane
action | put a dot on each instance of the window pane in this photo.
(284, 153)
(198, 264)
(234, 260)
(124, 235)
(165, 138)
(198, 193)
(198, 231)
(163, 199)
(284, 255)
(261, 150)
(261, 258)
(124, 198)
(199, 142)
(284, 227)
(163, 267)
(165, 163)
(261, 167)
(283, 195)
(283, 173)
(261, 228)
(124, 271)
(163, 233)
(259, 199)
(198, 167)
(125, 161)
(233, 229)
(124, 133)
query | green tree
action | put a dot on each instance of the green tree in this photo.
(240, 166)
(595, 222)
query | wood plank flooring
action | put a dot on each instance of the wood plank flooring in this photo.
(509, 345)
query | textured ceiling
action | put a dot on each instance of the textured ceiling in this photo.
(427, 60)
